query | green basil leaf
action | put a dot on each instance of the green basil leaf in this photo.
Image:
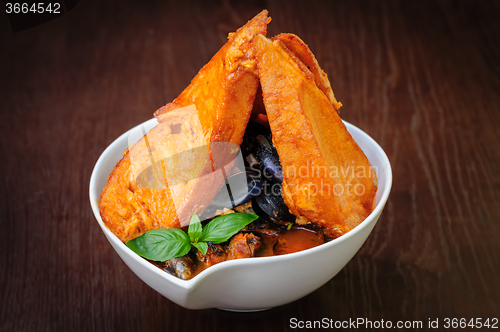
(194, 229)
(161, 244)
(201, 246)
(223, 227)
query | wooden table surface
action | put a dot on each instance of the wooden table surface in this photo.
(421, 77)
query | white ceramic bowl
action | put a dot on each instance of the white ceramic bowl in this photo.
(234, 285)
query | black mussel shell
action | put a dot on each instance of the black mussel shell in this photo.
(270, 164)
(269, 205)
(240, 194)
(259, 151)
(250, 142)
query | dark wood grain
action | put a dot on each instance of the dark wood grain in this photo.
(421, 77)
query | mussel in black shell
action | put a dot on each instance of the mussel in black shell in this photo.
(268, 158)
(260, 153)
(243, 185)
(269, 205)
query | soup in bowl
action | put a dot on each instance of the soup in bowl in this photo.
(237, 284)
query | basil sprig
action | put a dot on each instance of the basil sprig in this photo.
(166, 243)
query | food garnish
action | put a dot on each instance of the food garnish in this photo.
(164, 244)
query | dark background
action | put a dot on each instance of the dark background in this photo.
(421, 77)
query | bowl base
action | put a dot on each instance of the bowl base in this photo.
(244, 310)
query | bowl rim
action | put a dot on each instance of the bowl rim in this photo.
(191, 283)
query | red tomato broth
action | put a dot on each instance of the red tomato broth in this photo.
(297, 239)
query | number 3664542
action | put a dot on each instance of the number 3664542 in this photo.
(35, 8)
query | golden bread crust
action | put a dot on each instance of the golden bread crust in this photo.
(223, 93)
(297, 49)
(317, 153)
(327, 178)
(134, 202)
(225, 88)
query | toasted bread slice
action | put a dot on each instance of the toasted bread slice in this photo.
(327, 178)
(224, 89)
(297, 48)
(162, 180)
(220, 98)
